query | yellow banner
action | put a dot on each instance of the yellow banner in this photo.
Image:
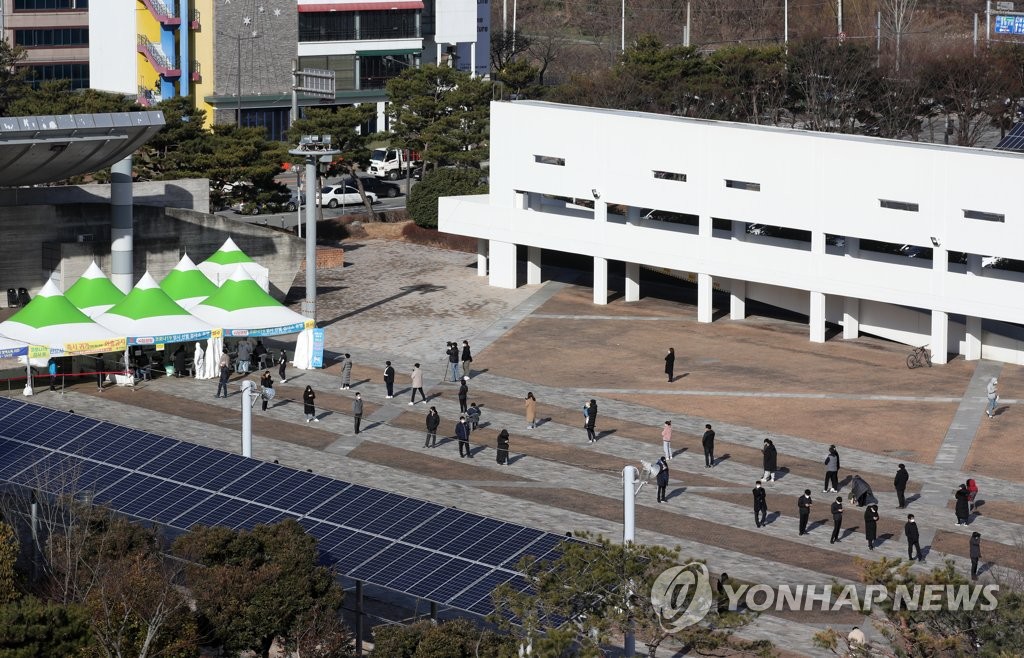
(309, 324)
(38, 352)
(95, 346)
(217, 333)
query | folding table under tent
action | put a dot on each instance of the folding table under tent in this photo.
(222, 264)
(243, 309)
(93, 293)
(186, 284)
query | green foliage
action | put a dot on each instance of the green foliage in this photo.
(56, 97)
(441, 112)
(12, 77)
(457, 638)
(447, 181)
(8, 561)
(30, 628)
(252, 588)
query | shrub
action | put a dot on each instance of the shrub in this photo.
(447, 181)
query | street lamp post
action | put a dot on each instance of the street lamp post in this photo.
(314, 149)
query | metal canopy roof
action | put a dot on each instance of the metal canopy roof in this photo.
(45, 149)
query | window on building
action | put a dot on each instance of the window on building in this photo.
(327, 26)
(549, 160)
(76, 74)
(984, 216)
(344, 67)
(670, 175)
(391, 24)
(274, 120)
(898, 205)
(376, 70)
(50, 5)
(743, 185)
(52, 37)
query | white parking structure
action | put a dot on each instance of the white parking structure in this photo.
(678, 195)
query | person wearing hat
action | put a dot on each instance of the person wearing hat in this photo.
(463, 395)
(993, 396)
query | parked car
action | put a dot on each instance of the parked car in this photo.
(333, 196)
(381, 188)
(295, 202)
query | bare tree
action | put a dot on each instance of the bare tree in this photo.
(897, 16)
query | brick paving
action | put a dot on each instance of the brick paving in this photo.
(752, 379)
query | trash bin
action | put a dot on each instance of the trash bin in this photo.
(12, 298)
(23, 298)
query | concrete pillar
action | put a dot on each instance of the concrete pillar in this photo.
(600, 280)
(382, 116)
(121, 220)
(704, 226)
(502, 264)
(309, 303)
(705, 311)
(533, 260)
(737, 299)
(633, 215)
(816, 317)
(940, 336)
(632, 282)
(972, 351)
(481, 257)
(851, 318)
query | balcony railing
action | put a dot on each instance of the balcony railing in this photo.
(156, 57)
(161, 12)
(351, 34)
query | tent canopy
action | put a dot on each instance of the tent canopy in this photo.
(186, 285)
(225, 261)
(51, 320)
(242, 308)
(93, 293)
(148, 316)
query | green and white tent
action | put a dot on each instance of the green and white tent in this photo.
(148, 316)
(225, 261)
(186, 285)
(93, 293)
(50, 319)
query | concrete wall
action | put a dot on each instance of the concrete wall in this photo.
(42, 242)
(192, 193)
(112, 33)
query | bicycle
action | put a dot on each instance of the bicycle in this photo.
(919, 357)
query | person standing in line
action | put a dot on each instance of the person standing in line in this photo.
(760, 504)
(244, 354)
(225, 359)
(225, 374)
(769, 458)
(871, 525)
(992, 392)
(662, 479)
(346, 372)
(308, 405)
(417, 384)
(453, 359)
(433, 422)
(52, 369)
(467, 357)
(803, 505)
(910, 531)
(666, 439)
(831, 471)
(900, 484)
(708, 441)
(473, 416)
(837, 518)
(503, 443)
(592, 421)
(389, 379)
(267, 386)
(531, 411)
(463, 395)
(341, 369)
(962, 505)
(670, 363)
(975, 554)
(357, 412)
(462, 434)
(282, 363)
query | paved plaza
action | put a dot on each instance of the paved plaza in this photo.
(752, 379)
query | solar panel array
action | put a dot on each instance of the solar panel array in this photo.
(1014, 140)
(419, 548)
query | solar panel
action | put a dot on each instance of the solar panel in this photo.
(1014, 140)
(420, 548)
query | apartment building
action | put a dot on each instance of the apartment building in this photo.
(55, 36)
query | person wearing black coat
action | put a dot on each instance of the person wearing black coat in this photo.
(267, 384)
(453, 360)
(871, 525)
(900, 484)
(708, 443)
(670, 363)
(308, 405)
(462, 434)
(963, 508)
(662, 479)
(503, 444)
(179, 361)
(389, 379)
(467, 357)
(760, 504)
(975, 554)
(769, 458)
(463, 395)
(910, 531)
(592, 421)
(837, 519)
(433, 422)
(804, 506)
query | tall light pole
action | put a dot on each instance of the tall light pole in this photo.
(238, 89)
(623, 25)
(314, 149)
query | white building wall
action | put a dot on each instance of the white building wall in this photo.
(823, 183)
(112, 46)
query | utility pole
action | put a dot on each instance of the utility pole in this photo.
(686, 33)
(839, 16)
(238, 69)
